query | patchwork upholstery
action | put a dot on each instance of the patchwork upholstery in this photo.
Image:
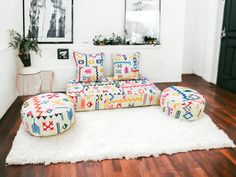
(126, 66)
(182, 103)
(89, 67)
(47, 114)
(111, 94)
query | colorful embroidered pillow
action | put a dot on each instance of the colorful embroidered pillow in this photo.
(89, 67)
(126, 66)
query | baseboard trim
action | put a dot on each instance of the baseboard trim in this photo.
(7, 107)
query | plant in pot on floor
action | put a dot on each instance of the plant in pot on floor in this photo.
(24, 45)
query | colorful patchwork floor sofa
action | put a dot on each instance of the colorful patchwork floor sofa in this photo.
(91, 90)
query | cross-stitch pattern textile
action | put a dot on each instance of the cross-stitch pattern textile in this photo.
(126, 66)
(47, 114)
(182, 103)
(112, 94)
(89, 67)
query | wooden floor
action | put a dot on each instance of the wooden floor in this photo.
(221, 106)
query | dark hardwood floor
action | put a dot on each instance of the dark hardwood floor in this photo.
(221, 106)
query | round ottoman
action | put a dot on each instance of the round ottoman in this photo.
(182, 103)
(48, 114)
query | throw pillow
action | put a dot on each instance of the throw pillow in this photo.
(126, 66)
(89, 67)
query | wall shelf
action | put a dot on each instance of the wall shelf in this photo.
(127, 46)
(91, 46)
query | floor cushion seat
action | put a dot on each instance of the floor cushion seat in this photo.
(182, 103)
(111, 94)
(48, 114)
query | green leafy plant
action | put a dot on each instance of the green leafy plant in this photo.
(150, 40)
(100, 40)
(96, 40)
(113, 40)
(23, 44)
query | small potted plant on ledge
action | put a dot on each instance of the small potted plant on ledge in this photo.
(24, 45)
(115, 39)
(148, 40)
(101, 40)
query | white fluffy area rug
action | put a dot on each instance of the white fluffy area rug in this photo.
(116, 134)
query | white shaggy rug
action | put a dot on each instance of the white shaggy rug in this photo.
(110, 134)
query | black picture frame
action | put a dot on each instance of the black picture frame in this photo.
(54, 39)
(62, 54)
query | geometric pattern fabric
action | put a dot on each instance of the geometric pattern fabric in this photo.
(182, 103)
(89, 67)
(47, 114)
(126, 67)
(113, 94)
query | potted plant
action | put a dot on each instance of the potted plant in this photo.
(96, 40)
(24, 45)
(150, 40)
(115, 39)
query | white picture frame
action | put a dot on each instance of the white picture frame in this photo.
(142, 19)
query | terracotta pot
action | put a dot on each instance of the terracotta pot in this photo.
(25, 59)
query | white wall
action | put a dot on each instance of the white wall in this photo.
(91, 17)
(215, 22)
(8, 90)
(202, 38)
(9, 18)
(194, 13)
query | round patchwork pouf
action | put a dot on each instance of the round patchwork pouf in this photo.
(182, 103)
(48, 114)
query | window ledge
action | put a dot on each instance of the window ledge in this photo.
(127, 46)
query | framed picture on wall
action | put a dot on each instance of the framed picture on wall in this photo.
(50, 21)
(63, 54)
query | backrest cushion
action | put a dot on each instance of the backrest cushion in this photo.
(126, 66)
(89, 67)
